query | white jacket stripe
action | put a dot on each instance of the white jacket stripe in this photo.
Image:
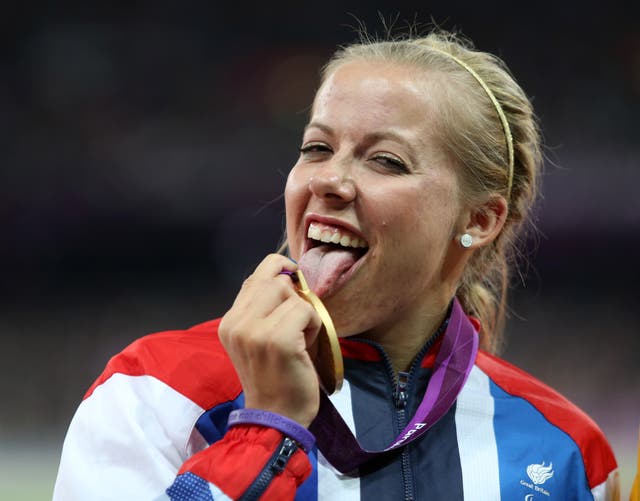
(607, 490)
(331, 483)
(123, 423)
(476, 439)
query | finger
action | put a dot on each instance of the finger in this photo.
(271, 266)
(296, 322)
(261, 293)
(257, 309)
(259, 299)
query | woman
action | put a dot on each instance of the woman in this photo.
(416, 172)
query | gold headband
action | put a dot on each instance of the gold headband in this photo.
(496, 104)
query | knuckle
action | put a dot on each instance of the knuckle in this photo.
(224, 329)
(283, 288)
(273, 257)
(231, 330)
(303, 306)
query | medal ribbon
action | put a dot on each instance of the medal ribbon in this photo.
(452, 366)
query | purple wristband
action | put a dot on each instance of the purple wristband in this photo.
(289, 427)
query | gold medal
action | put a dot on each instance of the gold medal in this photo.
(328, 362)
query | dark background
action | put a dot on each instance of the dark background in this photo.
(144, 147)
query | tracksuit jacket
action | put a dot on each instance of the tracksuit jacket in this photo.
(153, 426)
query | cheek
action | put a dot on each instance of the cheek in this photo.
(400, 213)
(420, 220)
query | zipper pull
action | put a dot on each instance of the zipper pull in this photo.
(401, 395)
(287, 450)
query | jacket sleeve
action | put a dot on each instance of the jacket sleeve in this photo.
(249, 463)
(133, 437)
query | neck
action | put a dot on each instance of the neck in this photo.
(404, 339)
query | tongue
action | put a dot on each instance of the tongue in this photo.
(323, 265)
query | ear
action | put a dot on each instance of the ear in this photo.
(485, 221)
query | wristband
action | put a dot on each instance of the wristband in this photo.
(289, 427)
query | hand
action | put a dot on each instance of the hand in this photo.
(269, 333)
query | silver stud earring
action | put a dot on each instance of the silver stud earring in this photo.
(466, 240)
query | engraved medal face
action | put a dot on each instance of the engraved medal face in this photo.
(328, 362)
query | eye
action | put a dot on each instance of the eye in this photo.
(314, 150)
(391, 163)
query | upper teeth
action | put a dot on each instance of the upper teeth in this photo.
(334, 236)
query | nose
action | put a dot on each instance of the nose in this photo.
(333, 183)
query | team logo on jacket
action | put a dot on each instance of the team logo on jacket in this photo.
(539, 474)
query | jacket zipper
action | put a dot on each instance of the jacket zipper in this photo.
(275, 466)
(401, 398)
(403, 382)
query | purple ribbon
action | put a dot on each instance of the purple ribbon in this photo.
(452, 366)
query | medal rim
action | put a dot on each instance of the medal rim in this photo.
(329, 332)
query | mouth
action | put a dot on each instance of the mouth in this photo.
(332, 253)
(321, 234)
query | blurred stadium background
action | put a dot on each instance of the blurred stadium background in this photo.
(144, 145)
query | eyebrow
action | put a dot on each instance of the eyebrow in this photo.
(319, 125)
(372, 137)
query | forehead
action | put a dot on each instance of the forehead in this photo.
(374, 94)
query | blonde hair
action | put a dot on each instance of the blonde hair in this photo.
(470, 127)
